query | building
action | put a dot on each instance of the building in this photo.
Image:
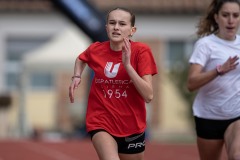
(28, 25)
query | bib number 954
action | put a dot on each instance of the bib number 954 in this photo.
(117, 93)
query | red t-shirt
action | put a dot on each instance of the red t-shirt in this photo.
(114, 104)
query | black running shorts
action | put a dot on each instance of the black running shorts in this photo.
(212, 129)
(128, 145)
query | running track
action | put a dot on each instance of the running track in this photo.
(83, 150)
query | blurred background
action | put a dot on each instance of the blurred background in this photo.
(40, 39)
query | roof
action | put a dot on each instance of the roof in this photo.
(26, 6)
(138, 6)
(155, 6)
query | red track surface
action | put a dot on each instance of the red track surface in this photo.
(83, 150)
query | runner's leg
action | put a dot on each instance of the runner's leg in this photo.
(137, 156)
(232, 140)
(209, 149)
(105, 146)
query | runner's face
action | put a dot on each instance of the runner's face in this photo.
(119, 25)
(228, 20)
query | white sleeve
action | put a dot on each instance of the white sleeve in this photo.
(201, 54)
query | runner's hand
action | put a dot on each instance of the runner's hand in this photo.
(126, 52)
(230, 64)
(74, 85)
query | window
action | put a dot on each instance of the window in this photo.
(16, 48)
(41, 80)
(178, 54)
(12, 79)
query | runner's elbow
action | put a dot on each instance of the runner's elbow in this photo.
(191, 87)
(149, 98)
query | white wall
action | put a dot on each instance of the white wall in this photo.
(166, 26)
(26, 25)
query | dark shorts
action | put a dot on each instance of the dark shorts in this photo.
(129, 145)
(212, 129)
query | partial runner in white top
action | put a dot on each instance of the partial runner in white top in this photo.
(220, 98)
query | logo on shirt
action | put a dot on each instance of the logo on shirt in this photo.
(111, 71)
